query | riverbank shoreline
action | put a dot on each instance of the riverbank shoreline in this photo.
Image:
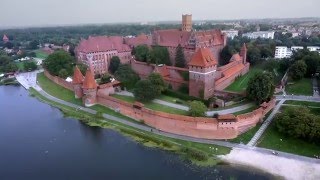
(197, 156)
(279, 166)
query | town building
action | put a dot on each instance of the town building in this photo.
(5, 38)
(259, 34)
(285, 52)
(96, 52)
(231, 33)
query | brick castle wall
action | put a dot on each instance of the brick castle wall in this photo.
(199, 127)
(59, 81)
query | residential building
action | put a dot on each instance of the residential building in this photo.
(231, 33)
(259, 34)
(285, 52)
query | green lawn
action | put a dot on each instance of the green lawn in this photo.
(41, 54)
(303, 103)
(246, 110)
(301, 87)
(172, 99)
(247, 136)
(271, 139)
(20, 66)
(56, 90)
(151, 105)
(241, 83)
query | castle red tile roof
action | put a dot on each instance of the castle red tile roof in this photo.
(102, 44)
(139, 40)
(244, 47)
(203, 57)
(172, 37)
(89, 81)
(236, 57)
(77, 76)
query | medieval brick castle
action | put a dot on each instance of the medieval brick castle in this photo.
(201, 48)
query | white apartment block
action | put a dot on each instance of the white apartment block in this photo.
(259, 34)
(285, 52)
(231, 33)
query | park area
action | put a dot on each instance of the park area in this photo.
(300, 87)
(40, 54)
(273, 139)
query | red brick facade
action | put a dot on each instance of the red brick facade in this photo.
(228, 127)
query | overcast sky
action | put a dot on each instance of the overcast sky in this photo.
(53, 12)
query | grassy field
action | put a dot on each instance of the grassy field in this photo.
(172, 99)
(41, 54)
(303, 103)
(272, 139)
(247, 136)
(151, 105)
(56, 90)
(301, 87)
(189, 150)
(241, 83)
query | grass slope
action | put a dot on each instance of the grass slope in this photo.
(301, 87)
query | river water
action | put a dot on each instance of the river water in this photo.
(37, 142)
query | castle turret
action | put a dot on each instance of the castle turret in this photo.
(77, 81)
(89, 88)
(186, 22)
(243, 53)
(202, 72)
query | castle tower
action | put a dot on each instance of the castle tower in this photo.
(186, 22)
(202, 72)
(243, 53)
(77, 81)
(89, 88)
(5, 38)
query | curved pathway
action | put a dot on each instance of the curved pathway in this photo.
(186, 108)
(175, 136)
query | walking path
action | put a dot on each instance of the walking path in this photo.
(170, 135)
(186, 108)
(315, 87)
(265, 124)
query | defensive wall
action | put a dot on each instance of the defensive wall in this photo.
(224, 127)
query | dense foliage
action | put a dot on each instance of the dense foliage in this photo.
(30, 65)
(197, 109)
(160, 55)
(298, 70)
(106, 78)
(60, 63)
(158, 82)
(226, 55)
(145, 91)
(6, 64)
(260, 87)
(299, 123)
(114, 64)
(126, 76)
(180, 60)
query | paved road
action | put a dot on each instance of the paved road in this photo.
(265, 124)
(186, 108)
(298, 98)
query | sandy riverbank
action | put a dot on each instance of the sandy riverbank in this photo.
(279, 166)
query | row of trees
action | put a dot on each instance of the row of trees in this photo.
(159, 55)
(7, 64)
(299, 123)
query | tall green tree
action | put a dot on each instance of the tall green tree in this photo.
(180, 60)
(298, 70)
(59, 60)
(145, 91)
(253, 54)
(158, 82)
(197, 109)
(142, 53)
(30, 65)
(226, 55)
(312, 62)
(260, 87)
(126, 76)
(114, 64)
(160, 55)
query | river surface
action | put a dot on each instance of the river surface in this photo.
(37, 142)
